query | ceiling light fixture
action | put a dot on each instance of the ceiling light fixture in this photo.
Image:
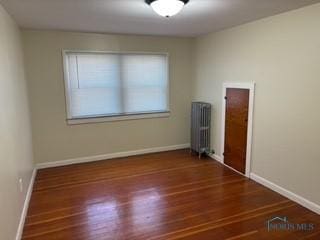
(167, 8)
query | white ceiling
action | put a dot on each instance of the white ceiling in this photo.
(135, 17)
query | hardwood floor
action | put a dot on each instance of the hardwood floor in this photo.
(169, 195)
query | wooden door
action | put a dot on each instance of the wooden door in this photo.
(236, 128)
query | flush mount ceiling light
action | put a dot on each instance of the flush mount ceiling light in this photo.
(167, 8)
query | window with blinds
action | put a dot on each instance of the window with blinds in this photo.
(100, 84)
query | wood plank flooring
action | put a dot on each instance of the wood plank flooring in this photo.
(170, 195)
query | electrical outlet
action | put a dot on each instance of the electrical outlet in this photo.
(20, 184)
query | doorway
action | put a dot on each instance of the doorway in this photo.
(237, 126)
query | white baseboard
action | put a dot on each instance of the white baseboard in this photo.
(111, 155)
(220, 160)
(26, 205)
(217, 157)
(292, 196)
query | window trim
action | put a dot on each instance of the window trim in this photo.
(111, 117)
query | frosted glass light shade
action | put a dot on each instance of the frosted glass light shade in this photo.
(167, 8)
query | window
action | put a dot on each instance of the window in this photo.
(115, 86)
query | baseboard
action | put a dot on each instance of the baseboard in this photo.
(292, 196)
(111, 155)
(220, 160)
(217, 158)
(26, 205)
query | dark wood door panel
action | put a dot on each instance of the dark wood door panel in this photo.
(236, 127)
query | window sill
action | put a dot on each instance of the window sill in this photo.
(115, 118)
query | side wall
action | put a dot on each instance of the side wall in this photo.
(54, 140)
(282, 55)
(15, 128)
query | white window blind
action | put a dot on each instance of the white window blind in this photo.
(112, 84)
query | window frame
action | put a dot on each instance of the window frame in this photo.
(111, 117)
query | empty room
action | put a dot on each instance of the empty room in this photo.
(159, 119)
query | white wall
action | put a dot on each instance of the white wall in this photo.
(15, 131)
(282, 55)
(54, 140)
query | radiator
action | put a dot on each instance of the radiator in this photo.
(200, 127)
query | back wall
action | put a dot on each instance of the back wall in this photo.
(54, 140)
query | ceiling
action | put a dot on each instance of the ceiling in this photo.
(135, 17)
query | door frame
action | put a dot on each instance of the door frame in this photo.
(251, 87)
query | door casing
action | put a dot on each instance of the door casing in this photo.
(251, 87)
